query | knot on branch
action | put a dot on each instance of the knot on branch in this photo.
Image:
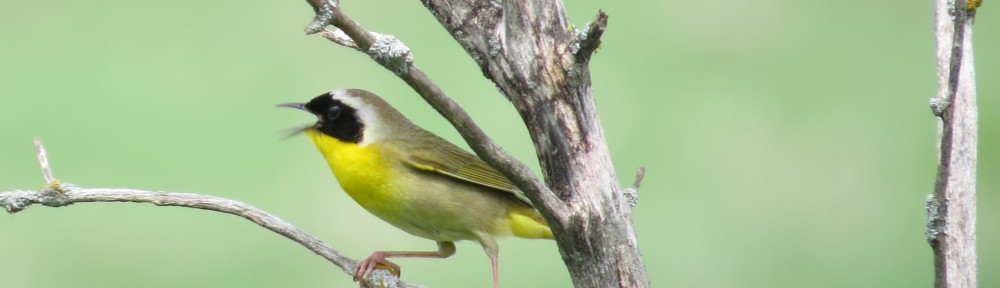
(391, 53)
(938, 106)
(15, 201)
(935, 219)
(324, 14)
(632, 193)
(54, 194)
(380, 278)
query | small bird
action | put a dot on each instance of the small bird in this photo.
(416, 180)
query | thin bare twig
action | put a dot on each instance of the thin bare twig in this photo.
(632, 193)
(338, 36)
(589, 39)
(57, 194)
(639, 175)
(43, 160)
(324, 13)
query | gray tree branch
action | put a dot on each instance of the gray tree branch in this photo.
(57, 194)
(951, 210)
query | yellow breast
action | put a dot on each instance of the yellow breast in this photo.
(361, 172)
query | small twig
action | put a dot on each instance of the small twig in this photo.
(43, 160)
(338, 36)
(589, 39)
(639, 174)
(57, 194)
(632, 193)
(324, 14)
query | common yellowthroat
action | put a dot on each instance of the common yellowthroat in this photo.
(416, 180)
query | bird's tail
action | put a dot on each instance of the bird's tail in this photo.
(527, 223)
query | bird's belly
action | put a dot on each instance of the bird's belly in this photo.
(412, 211)
(370, 180)
(411, 207)
(405, 209)
(425, 205)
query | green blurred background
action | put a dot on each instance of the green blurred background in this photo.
(788, 143)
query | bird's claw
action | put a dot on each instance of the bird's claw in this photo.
(375, 261)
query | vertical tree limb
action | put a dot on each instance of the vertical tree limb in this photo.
(951, 210)
(539, 61)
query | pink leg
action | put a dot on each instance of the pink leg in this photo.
(496, 275)
(365, 267)
(492, 250)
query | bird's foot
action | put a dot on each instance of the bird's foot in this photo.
(375, 261)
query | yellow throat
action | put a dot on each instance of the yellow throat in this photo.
(360, 170)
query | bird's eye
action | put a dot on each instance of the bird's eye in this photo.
(333, 112)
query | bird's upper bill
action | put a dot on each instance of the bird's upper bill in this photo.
(300, 106)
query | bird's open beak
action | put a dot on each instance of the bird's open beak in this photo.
(300, 106)
(295, 131)
(292, 132)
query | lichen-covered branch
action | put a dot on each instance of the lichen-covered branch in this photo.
(951, 210)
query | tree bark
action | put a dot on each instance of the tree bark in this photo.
(951, 210)
(535, 57)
